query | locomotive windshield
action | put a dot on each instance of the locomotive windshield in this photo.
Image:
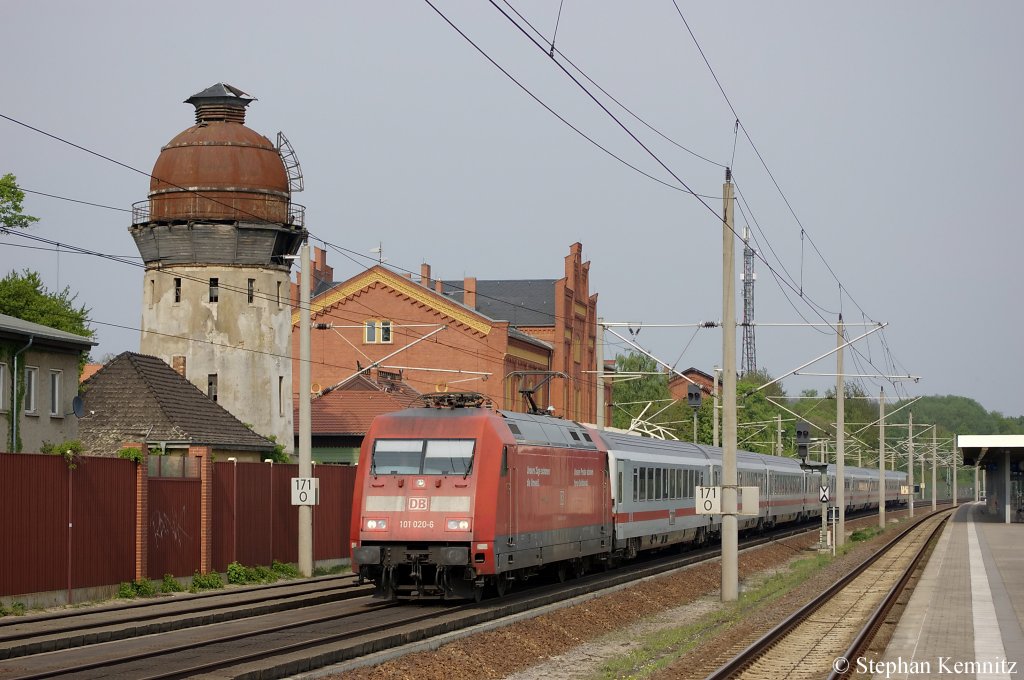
(423, 456)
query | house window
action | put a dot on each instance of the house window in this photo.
(214, 290)
(211, 386)
(30, 388)
(177, 290)
(3, 386)
(252, 290)
(377, 332)
(56, 378)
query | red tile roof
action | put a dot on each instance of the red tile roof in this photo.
(349, 409)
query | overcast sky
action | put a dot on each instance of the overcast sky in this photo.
(893, 130)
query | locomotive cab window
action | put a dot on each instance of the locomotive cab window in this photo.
(423, 456)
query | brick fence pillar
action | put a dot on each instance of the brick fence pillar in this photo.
(141, 568)
(205, 462)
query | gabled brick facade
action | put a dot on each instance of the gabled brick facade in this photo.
(474, 351)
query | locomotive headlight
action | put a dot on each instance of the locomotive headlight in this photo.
(376, 525)
(458, 525)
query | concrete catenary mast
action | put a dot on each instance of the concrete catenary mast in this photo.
(748, 362)
(214, 234)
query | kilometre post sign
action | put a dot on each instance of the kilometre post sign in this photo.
(305, 491)
(709, 500)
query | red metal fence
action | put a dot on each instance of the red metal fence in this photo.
(61, 528)
(254, 521)
(174, 526)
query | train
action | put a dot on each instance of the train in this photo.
(456, 499)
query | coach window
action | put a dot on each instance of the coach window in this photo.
(643, 484)
(650, 484)
(636, 484)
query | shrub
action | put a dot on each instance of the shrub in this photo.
(170, 585)
(285, 570)
(130, 453)
(129, 590)
(211, 581)
(70, 450)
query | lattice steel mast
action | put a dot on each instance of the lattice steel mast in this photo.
(748, 362)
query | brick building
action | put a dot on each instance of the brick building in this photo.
(489, 336)
(677, 386)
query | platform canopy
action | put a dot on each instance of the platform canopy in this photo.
(976, 447)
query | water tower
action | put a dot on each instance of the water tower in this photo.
(214, 235)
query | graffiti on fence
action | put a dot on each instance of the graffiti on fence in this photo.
(170, 527)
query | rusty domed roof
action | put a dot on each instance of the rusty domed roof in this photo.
(219, 168)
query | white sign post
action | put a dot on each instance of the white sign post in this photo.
(305, 491)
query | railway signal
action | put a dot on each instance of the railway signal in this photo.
(693, 398)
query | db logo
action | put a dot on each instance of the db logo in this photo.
(417, 504)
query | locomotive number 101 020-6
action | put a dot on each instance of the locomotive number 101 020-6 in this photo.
(416, 524)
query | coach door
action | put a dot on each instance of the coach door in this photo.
(508, 477)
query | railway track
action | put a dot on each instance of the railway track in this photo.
(287, 629)
(840, 622)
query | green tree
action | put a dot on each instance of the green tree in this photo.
(646, 387)
(25, 297)
(11, 215)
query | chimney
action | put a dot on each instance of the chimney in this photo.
(439, 287)
(469, 292)
(178, 364)
(425, 275)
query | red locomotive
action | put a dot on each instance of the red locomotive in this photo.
(449, 500)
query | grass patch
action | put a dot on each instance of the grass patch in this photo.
(170, 585)
(662, 649)
(865, 534)
(330, 571)
(15, 609)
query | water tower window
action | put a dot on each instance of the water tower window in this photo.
(177, 290)
(211, 386)
(252, 290)
(214, 290)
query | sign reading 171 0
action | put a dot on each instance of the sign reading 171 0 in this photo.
(305, 491)
(709, 500)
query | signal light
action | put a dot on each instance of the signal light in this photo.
(693, 396)
(803, 439)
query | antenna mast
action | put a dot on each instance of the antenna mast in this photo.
(748, 362)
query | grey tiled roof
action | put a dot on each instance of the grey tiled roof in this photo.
(13, 325)
(137, 397)
(522, 302)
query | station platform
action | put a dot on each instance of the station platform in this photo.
(966, 616)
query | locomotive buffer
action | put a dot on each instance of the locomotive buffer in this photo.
(803, 441)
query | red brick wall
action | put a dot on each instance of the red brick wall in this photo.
(334, 353)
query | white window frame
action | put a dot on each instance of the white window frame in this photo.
(3, 387)
(375, 329)
(56, 382)
(31, 388)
